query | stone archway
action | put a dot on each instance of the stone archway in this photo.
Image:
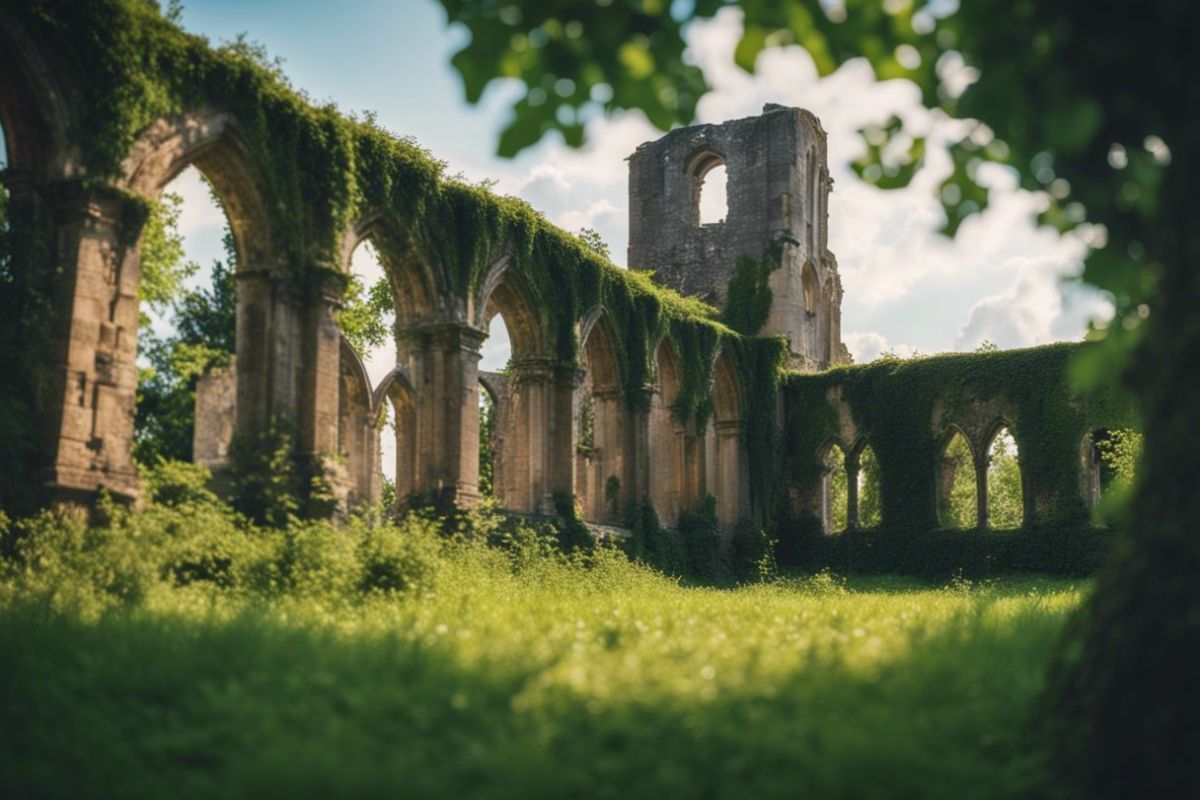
(536, 421)
(603, 466)
(727, 471)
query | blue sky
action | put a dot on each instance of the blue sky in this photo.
(906, 287)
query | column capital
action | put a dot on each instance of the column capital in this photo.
(443, 335)
(729, 427)
(97, 203)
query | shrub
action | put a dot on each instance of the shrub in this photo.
(573, 534)
(394, 559)
(753, 551)
(176, 483)
(702, 540)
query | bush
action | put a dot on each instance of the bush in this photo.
(176, 483)
(702, 538)
(395, 560)
(661, 548)
(573, 534)
(753, 551)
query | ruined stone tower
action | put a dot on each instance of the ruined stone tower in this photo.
(777, 185)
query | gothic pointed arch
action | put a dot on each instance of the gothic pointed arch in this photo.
(415, 291)
(208, 140)
(603, 459)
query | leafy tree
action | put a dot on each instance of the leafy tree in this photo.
(595, 242)
(367, 314)
(163, 268)
(1095, 108)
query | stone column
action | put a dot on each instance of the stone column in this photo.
(320, 370)
(612, 444)
(852, 492)
(638, 444)
(981, 492)
(732, 491)
(443, 364)
(89, 392)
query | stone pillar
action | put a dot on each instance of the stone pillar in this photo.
(540, 460)
(852, 492)
(732, 489)
(256, 362)
(639, 447)
(320, 371)
(981, 493)
(443, 365)
(89, 392)
(612, 442)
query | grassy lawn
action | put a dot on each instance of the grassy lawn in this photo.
(501, 674)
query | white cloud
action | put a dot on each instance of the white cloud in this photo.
(1032, 310)
(200, 215)
(868, 346)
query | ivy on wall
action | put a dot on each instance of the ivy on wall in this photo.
(317, 171)
(892, 404)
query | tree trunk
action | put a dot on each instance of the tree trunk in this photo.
(1129, 677)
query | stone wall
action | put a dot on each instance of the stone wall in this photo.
(777, 186)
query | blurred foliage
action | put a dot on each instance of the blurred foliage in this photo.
(1079, 104)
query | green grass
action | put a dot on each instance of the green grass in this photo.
(477, 671)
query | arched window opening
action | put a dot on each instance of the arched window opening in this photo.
(957, 488)
(1005, 501)
(368, 312)
(495, 371)
(368, 355)
(870, 500)
(714, 197)
(601, 475)
(1111, 469)
(812, 289)
(399, 461)
(487, 440)
(835, 493)
(187, 327)
(709, 192)
(727, 473)
(672, 448)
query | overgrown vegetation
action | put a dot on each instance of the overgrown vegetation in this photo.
(892, 404)
(182, 650)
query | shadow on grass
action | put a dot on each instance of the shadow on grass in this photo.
(143, 706)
